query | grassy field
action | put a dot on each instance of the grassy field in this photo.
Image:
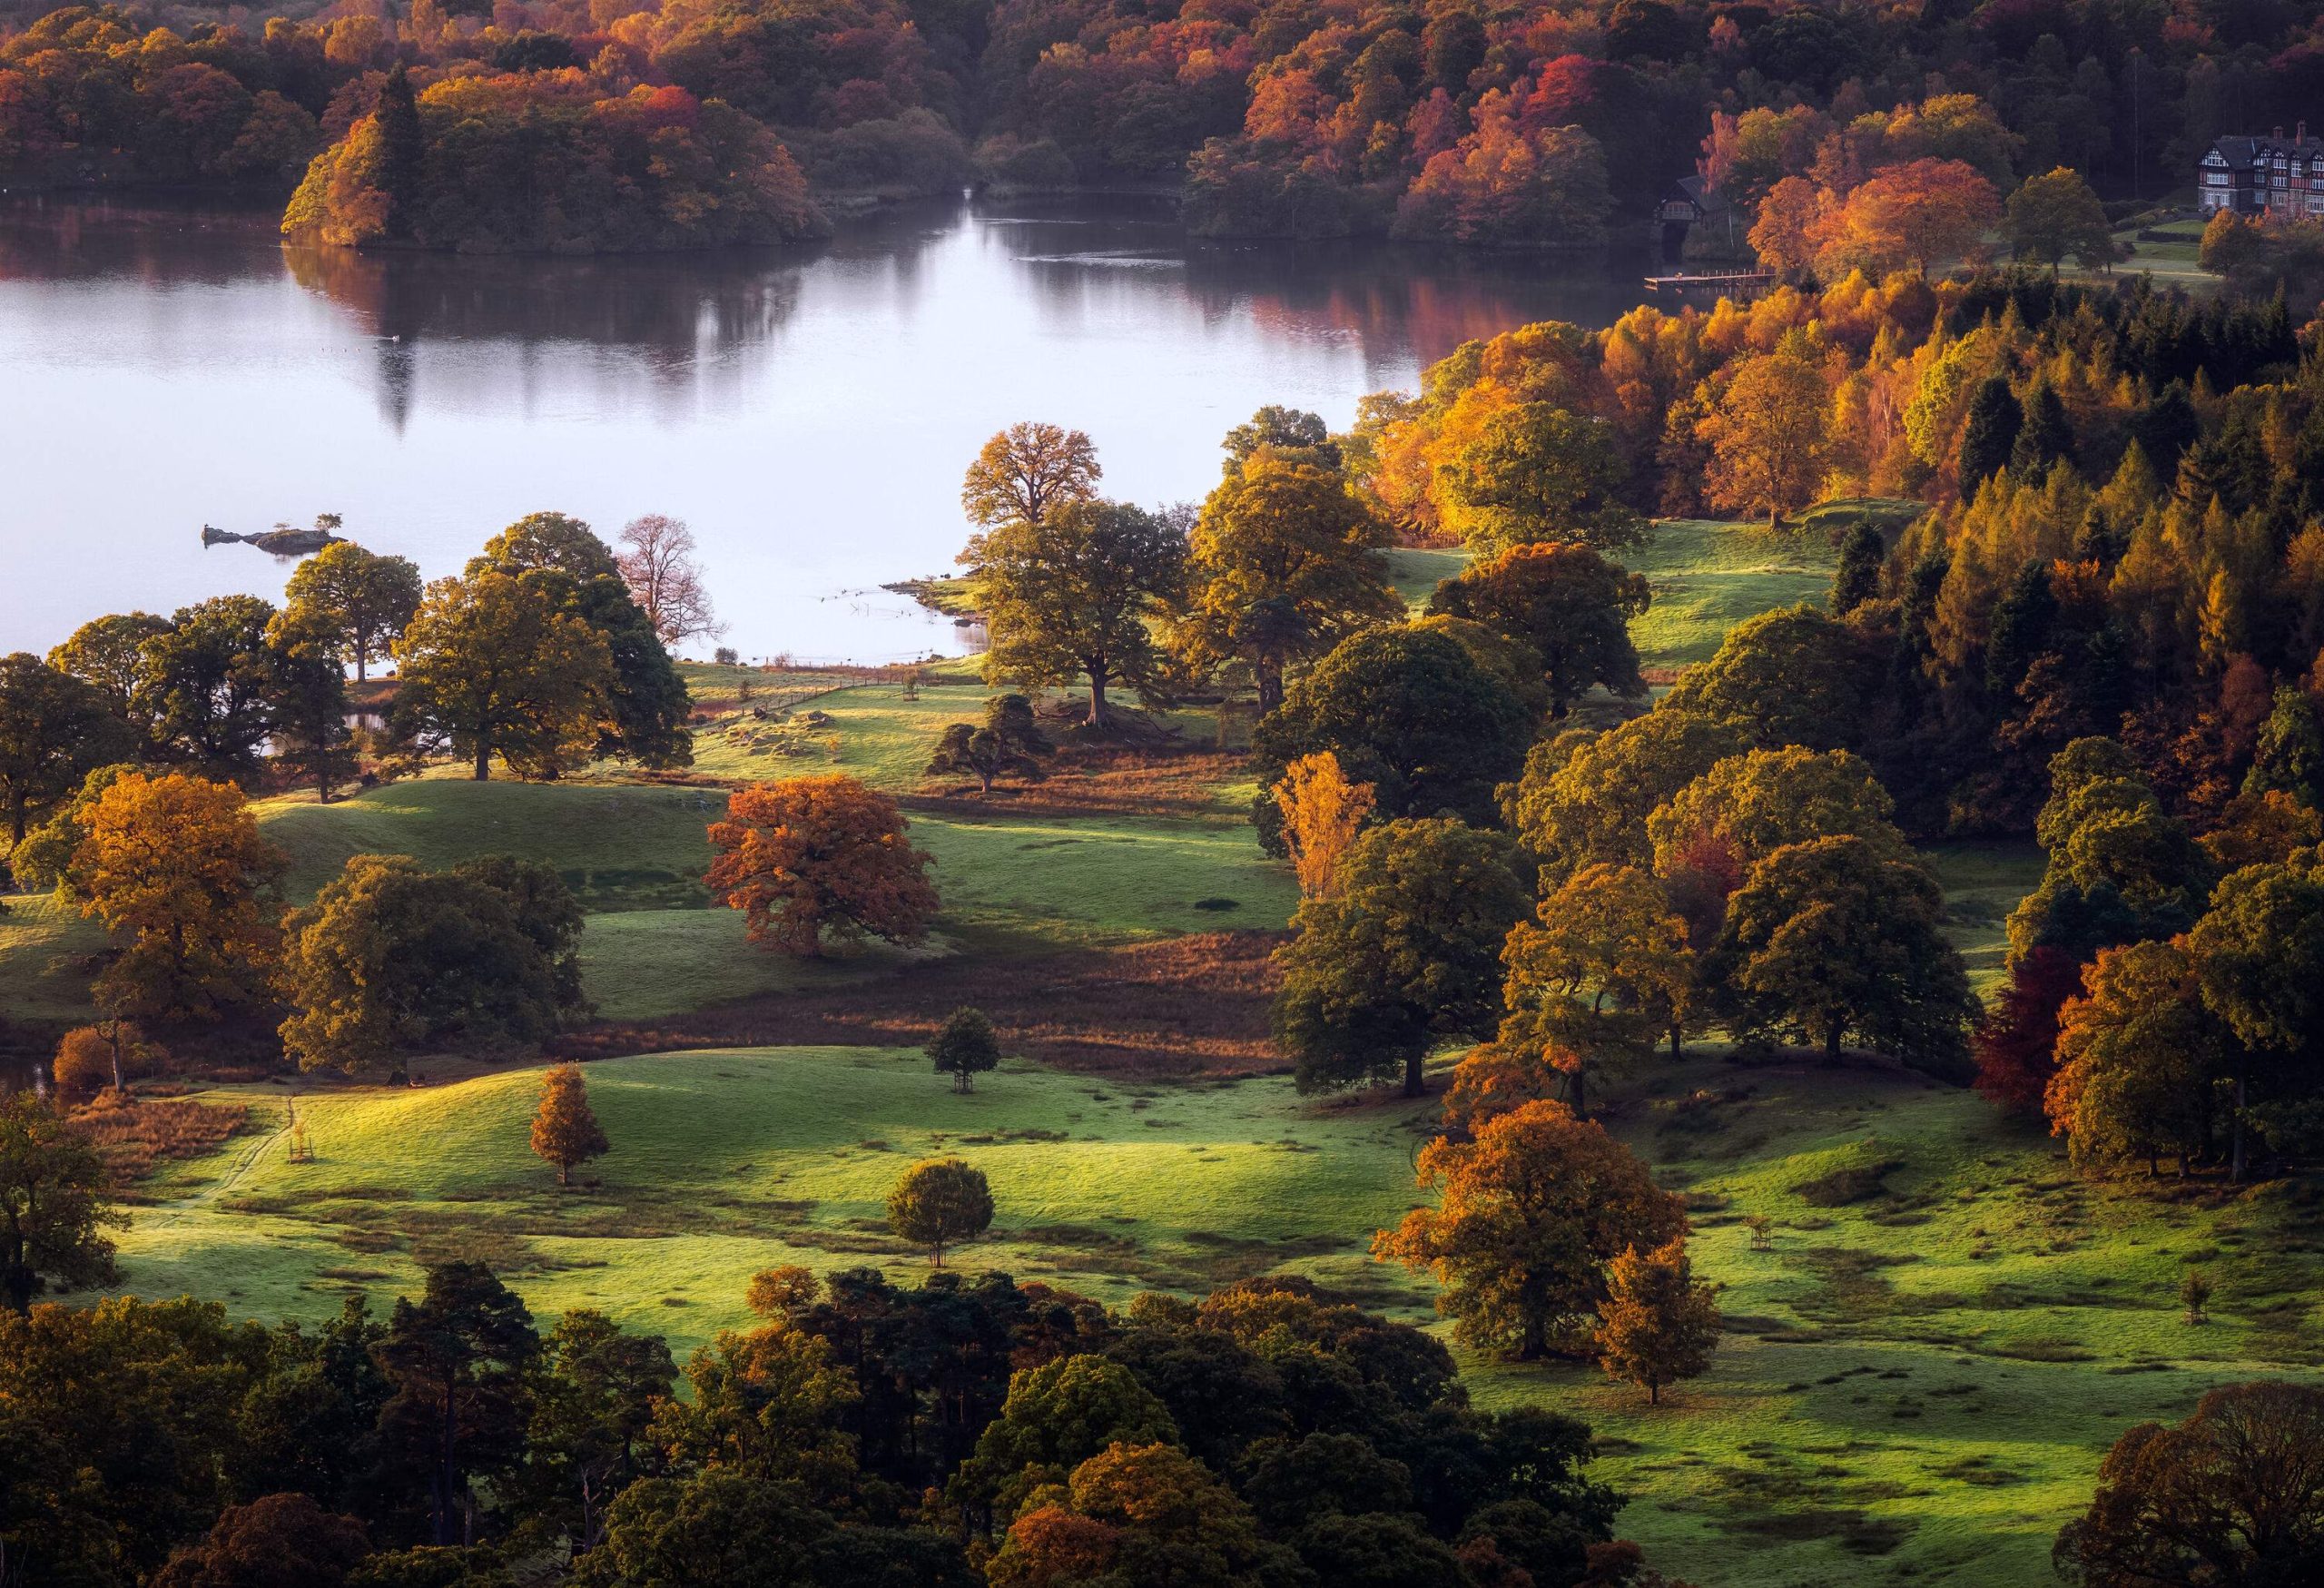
(1916, 1383)
(726, 1162)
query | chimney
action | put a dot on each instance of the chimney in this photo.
(2279, 133)
(2300, 134)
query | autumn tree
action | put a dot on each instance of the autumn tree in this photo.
(1918, 213)
(1322, 814)
(1403, 951)
(1406, 710)
(2015, 1042)
(2137, 1055)
(1657, 1324)
(2056, 214)
(1008, 743)
(109, 1053)
(940, 1202)
(1535, 472)
(1283, 563)
(362, 600)
(1842, 935)
(2231, 1495)
(1768, 431)
(566, 1131)
(1535, 1206)
(1058, 1415)
(1148, 1507)
(1600, 973)
(54, 1204)
(658, 565)
(964, 1047)
(1569, 605)
(492, 665)
(390, 960)
(1069, 595)
(1026, 471)
(816, 858)
(54, 730)
(276, 1539)
(175, 867)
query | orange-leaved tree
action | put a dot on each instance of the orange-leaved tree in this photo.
(1769, 435)
(819, 856)
(1536, 1205)
(1322, 814)
(566, 1130)
(1655, 1323)
(175, 867)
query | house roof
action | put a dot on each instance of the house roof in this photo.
(1698, 191)
(2242, 152)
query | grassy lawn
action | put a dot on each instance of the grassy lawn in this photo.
(726, 1162)
(1983, 882)
(41, 943)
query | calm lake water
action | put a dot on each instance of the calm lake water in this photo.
(808, 411)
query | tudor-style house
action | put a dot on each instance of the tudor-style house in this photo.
(2274, 175)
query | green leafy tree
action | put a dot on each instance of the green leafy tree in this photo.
(729, 1527)
(2259, 951)
(1600, 972)
(1585, 797)
(1569, 605)
(43, 860)
(645, 706)
(964, 1047)
(1857, 578)
(1404, 952)
(203, 686)
(459, 1362)
(1406, 710)
(362, 600)
(306, 694)
(2045, 435)
(403, 151)
(1284, 562)
(390, 960)
(54, 730)
(1069, 595)
(1144, 1514)
(1287, 432)
(1536, 471)
(1752, 804)
(1009, 743)
(2290, 756)
(105, 653)
(594, 1398)
(56, 1204)
(1840, 935)
(1057, 1415)
(2055, 215)
(495, 666)
(1791, 677)
(940, 1202)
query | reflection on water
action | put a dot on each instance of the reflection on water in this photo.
(808, 410)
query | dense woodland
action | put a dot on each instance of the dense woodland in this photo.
(1515, 126)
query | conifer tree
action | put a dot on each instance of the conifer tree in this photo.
(566, 1130)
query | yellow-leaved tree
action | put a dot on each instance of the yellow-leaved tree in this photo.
(1322, 814)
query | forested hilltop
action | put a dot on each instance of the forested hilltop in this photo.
(547, 123)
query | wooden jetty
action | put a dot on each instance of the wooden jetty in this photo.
(1733, 284)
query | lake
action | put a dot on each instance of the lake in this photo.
(808, 411)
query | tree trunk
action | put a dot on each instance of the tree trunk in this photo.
(2235, 1172)
(362, 652)
(1832, 1044)
(112, 1040)
(1270, 675)
(447, 1473)
(1580, 1097)
(1415, 1082)
(1097, 697)
(1654, 1392)
(483, 763)
(16, 821)
(563, 1173)
(1677, 1031)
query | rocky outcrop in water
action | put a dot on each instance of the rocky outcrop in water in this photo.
(281, 540)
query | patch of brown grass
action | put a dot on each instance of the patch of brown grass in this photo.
(1103, 779)
(1196, 1005)
(136, 1134)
